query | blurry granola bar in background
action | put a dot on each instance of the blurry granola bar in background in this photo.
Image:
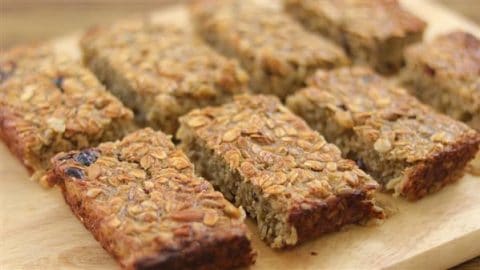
(50, 103)
(402, 143)
(445, 73)
(276, 51)
(287, 177)
(160, 71)
(373, 32)
(160, 215)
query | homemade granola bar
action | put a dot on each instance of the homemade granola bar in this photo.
(141, 200)
(373, 32)
(160, 71)
(50, 103)
(287, 177)
(402, 143)
(445, 73)
(276, 51)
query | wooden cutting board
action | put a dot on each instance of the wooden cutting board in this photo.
(38, 231)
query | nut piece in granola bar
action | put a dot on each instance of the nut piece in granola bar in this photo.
(161, 71)
(445, 73)
(288, 178)
(50, 103)
(141, 200)
(372, 32)
(402, 143)
(276, 51)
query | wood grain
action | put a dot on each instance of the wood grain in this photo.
(38, 231)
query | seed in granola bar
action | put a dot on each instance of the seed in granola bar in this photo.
(231, 211)
(75, 172)
(210, 218)
(314, 165)
(56, 124)
(187, 215)
(198, 121)
(439, 137)
(230, 135)
(331, 166)
(94, 192)
(58, 81)
(87, 157)
(28, 93)
(382, 145)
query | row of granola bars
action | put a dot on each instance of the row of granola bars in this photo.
(138, 193)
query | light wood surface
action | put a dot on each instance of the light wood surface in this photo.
(38, 231)
(33, 20)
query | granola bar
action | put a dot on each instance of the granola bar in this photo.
(287, 177)
(160, 71)
(402, 143)
(372, 32)
(445, 73)
(50, 103)
(276, 51)
(141, 200)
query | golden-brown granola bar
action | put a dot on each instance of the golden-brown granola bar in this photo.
(50, 103)
(287, 177)
(141, 200)
(276, 51)
(160, 71)
(445, 73)
(373, 32)
(401, 142)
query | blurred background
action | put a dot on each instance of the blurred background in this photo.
(33, 20)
